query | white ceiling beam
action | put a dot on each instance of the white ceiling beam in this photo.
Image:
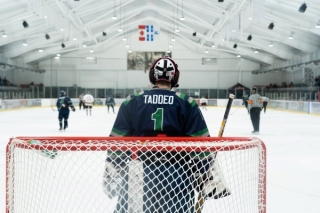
(51, 51)
(19, 49)
(202, 21)
(233, 12)
(107, 13)
(281, 35)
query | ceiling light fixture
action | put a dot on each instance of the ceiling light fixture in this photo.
(168, 51)
(40, 51)
(318, 26)
(170, 46)
(4, 35)
(177, 30)
(249, 38)
(25, 24)
(290, 37)
(271, 26)
(114, 17)
(256, 51)
(62, 45)
(130, 51)
(124, 39)
(303, 8)
(83, 45)
(182, 18)
(91, 51)
(58, 55)
(25, 43)
(173, 39)
(74, 39)
(271, 45)
(235, 46)
(47, 37)
(61, 29)
(213, 46)
(104, 34)
(120, 30)
(239, 56)
(194, 34)
(127, 46)
(206, 51)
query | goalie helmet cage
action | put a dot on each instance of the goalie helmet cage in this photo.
(65, 174)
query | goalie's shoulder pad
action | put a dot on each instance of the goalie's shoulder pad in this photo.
(131, 97)
(187, 98)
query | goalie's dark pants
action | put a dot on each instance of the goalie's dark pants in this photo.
(168, 188)
(265, 103)
(255, 118)
(63, 114)
(110, 105)
(81, 104)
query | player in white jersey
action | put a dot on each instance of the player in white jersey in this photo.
(203, 103)
(88, 102)
(255, 105)
(265, 103)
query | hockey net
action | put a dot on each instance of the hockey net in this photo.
(157, 174)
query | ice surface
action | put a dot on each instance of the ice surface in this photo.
(292, 140)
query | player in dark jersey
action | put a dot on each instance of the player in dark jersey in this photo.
(149, 113)
(63, 104)
(110, 103)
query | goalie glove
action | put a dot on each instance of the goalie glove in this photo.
(211, 183)
(113, 177)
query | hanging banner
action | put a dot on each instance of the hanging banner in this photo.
(147, 32)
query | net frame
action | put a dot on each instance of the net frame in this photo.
(136, 144)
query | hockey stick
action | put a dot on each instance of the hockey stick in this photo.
(201, 198)
(53, 108)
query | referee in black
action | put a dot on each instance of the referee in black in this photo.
(255, 104)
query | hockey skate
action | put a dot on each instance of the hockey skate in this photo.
(60, 129)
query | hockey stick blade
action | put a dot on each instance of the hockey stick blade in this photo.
(53, 108)
(201, 198)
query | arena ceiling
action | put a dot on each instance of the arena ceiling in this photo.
(264, 31)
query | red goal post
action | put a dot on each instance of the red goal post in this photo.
(64, 174)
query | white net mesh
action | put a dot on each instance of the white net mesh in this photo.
(136, 175)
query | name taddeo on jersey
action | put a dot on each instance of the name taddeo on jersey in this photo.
(158, 99)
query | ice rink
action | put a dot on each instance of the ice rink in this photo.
(292, 141)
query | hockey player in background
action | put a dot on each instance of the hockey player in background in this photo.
(265, 103)
(168, 179)
(81, 104)
(63, 104)
(110, 103)
(255, 105)
(203, 103)
(88, 102)
(245, 98)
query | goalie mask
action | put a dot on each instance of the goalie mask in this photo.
(164, 69)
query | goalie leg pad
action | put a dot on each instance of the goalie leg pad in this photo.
(113, 177)
(211, 182)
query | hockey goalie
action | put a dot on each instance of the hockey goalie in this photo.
(165, 180)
